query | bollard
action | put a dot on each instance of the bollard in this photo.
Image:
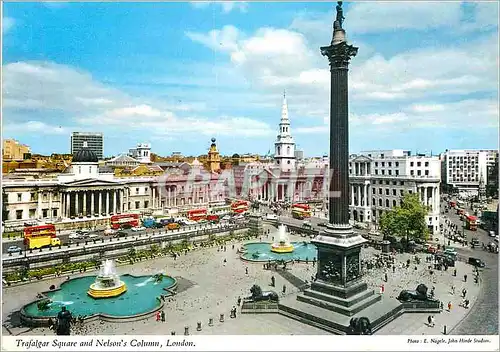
(221, 319)
(198, 327)
(186, 330)
(211, 322)
(444, 330)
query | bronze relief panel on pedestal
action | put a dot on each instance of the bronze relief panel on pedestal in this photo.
(330, 268)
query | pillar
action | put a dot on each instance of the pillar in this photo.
(92, 203)
(365, 195)
(84, 203)
(77, 203)
(153, 191)
(114, 201)
(352, 195)
(50, 205)
(107, 202)
(67, 205)
(39, 205)
(99, 205)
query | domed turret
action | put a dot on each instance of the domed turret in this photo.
(85, 155)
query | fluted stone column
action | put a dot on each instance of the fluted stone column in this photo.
(92, 211)
(114, 201)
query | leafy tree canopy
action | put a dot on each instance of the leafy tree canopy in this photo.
(406, 220)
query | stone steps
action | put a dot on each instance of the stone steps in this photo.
(349, 309)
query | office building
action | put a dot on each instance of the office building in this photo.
(95, 142)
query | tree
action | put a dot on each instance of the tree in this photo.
(407, 220)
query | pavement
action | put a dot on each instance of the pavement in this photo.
(209, 288)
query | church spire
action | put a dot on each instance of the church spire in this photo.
(284, 110)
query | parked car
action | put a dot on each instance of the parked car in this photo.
(323, 224)
(492, 234)
(476, 262)
(120, 234)
(93, 235)
(173, 226)
(271, 217)
(226, 217)
(14, 249)
(431, 249)
(474, 242)
(307, 224)
(74, 236)
(138, 228)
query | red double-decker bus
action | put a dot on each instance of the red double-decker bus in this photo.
(239, 207)
(471, 223)
(301, 211)
(118, 221)
(39, 231)
(197, 214)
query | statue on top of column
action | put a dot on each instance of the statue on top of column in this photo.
(340, 16)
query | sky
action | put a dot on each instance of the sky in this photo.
(176, 74)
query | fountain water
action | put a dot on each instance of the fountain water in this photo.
(282, 241)
(107, 283)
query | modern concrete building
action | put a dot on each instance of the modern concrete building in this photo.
(95, 142)
(463, 169)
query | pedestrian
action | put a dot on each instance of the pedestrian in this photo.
(225, 261)
(449, 306)
(465, 278)
(163, 316)
(432, 321)
(429, 320)
(441, 306)
(382, 289)
(454, 272)
(239, 301)
(284, 289)
(385, 277)
(158, 316)
(246, 270)
(464, 293)
(272, 281)
(393, 269)
(453, 289)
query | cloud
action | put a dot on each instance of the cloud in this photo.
(7, 24)
(47, 85)
(368, 17)
(219, 40)
(226, 6)
(34, 127)
(44, 87)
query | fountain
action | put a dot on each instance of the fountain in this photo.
(282, 241)
(107, 283)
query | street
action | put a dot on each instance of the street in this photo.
(483, 317)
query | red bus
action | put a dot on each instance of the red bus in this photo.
(118, 221)
(301, 211)
(197, 214)
(239, 206)
(39, 231)
(471, 223)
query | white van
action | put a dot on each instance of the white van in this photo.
(271, 217)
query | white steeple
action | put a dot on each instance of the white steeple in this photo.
(284, 155)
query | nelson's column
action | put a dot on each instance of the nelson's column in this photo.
(338, 294)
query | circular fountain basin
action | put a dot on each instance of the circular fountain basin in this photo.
(263, 252)
(140, 297)
(282, 248)
(97, 291)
